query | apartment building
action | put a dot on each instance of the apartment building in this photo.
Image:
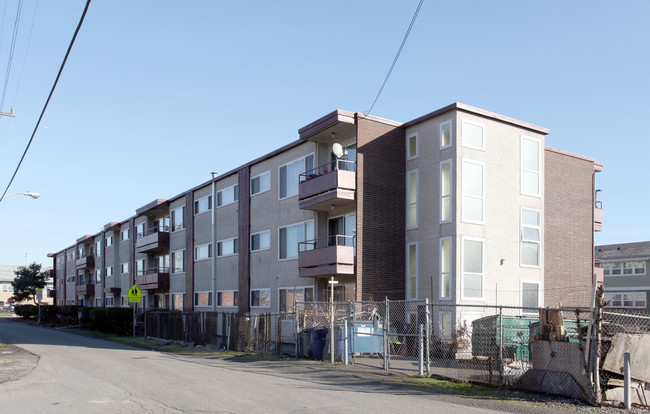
(7, 276)
(450, 206)
(625, 271)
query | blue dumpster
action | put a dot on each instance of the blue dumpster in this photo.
(317, 339)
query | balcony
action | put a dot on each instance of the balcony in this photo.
(85, 289)
(598, 216)
(327, 186)
(329, 256)
(113, 290)
(87, 262)
(154, 240)
(154, 278)
(599, 270)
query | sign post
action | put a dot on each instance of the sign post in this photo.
(39, 296)
(135, 296)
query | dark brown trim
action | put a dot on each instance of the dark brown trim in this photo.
(325, 122)
(156, 203)
(244, 234)
(101, 243)
(188, 299)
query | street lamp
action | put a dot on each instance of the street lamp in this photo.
(26, 193)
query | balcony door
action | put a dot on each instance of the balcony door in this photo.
(351, 156)
(341, 230)
(161, 263)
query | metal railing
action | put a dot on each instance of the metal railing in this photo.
(329, 241)
(152, 230)
(331, 166)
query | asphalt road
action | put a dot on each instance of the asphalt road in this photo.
(81, 374)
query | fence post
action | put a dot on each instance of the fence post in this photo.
(278, 346)
(428, 335)
(351, 322)
(385, 332)
(500, 345)
(345, 342)
(332, 312)
(421, 350)
(296, 329)
(626, 380)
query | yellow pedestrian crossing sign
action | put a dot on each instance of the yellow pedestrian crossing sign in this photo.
(134, 294)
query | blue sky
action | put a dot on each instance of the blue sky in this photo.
(235, 80)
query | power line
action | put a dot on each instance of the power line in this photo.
(406, 36)
(67, 53)
(11, 53)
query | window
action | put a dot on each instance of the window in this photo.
(227, 247)
(261, 241)
(530, 237)
(261, 183)
(140, 229)
(98, 276)
(291, 236)
(445, 268)
(140, 267)
(473, 135)
(412, 147)
(529, 296)
(411, 271)
(473, 192)
(202, 299)
(178, 261)
(81, 251)
(227, 298)
(290, 175)
(109, 240)
(445, 134)
(472, 269)
(625, 268)
(290, 296)
(125, 301)
(412, 199)
(109, 271)
(178, 219)
(626, 300)
(124, 234)
(202, 205)
(203, 252)
(445, 191)
(98, 248)
(177, 301)
(260, 298)
(124, 267)
(228, 195)
(530, 166)
(445, 324)
(109, 301)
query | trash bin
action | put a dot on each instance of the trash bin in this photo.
(317, 339)
(305, 339)
(339, 345)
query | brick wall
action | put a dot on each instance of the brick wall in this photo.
(380, 210)
(568, 234)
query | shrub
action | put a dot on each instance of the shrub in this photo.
(69, 314)
(49, 313)
(99, 319)
(120, 320)
(26, 311)
(85, 317)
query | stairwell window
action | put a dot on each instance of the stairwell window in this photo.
(530, 166)
(228, 195)
(472, 269)
(445, 191)
(124, 235)
(412, 146)
(412, 199)
(178, 261)
(445, 134)
(445, 268)
(412, 270)
(289, 175)
(124, 267)
(473, 191)
(473, 135)
(530, 238)
(529, 296)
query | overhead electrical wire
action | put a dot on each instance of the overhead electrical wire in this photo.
(58, 76)
(11, 53)
(399, 51)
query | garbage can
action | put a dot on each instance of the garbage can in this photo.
(305, 339)
(339, 346)
(317, 339)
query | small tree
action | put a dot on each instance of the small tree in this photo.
(28, 279)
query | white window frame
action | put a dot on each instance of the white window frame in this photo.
(210, 299)
(408, 199)
(124, 268)
(620, 266)
(109, 301)
(408, 269)
(304, 234)
(109, 271)
(196, 250)
(523, 170)
(220, 243)
(451, 134)
(173, 262)
(98, 275)
(522, 240)
(171, 300)
(172, 216)
(109, 240)
(303, 158)
(294, 288)
(234, 291)
(408, 146)
(451, 269)
(451, 191)
(482, 198)
(441, 326)
(540, 303)
(609, 297)
(259, 176)
(235, 195)
(125, 235)
(250, 298)
(260, 233)
(98, 248)
(462, 265)
(197, 205)
(478, 124)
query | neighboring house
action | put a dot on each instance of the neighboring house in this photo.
(452, 206)
(626, 278)
(7, 276)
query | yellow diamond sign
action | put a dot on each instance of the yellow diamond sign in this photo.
(134, 294)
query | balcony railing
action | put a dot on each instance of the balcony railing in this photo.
(153, 240)
(331, 184)
(87, 262)
(153, 278)
(598, 216)
(327, 256)
(86, 289)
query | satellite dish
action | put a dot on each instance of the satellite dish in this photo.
(337, 149)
